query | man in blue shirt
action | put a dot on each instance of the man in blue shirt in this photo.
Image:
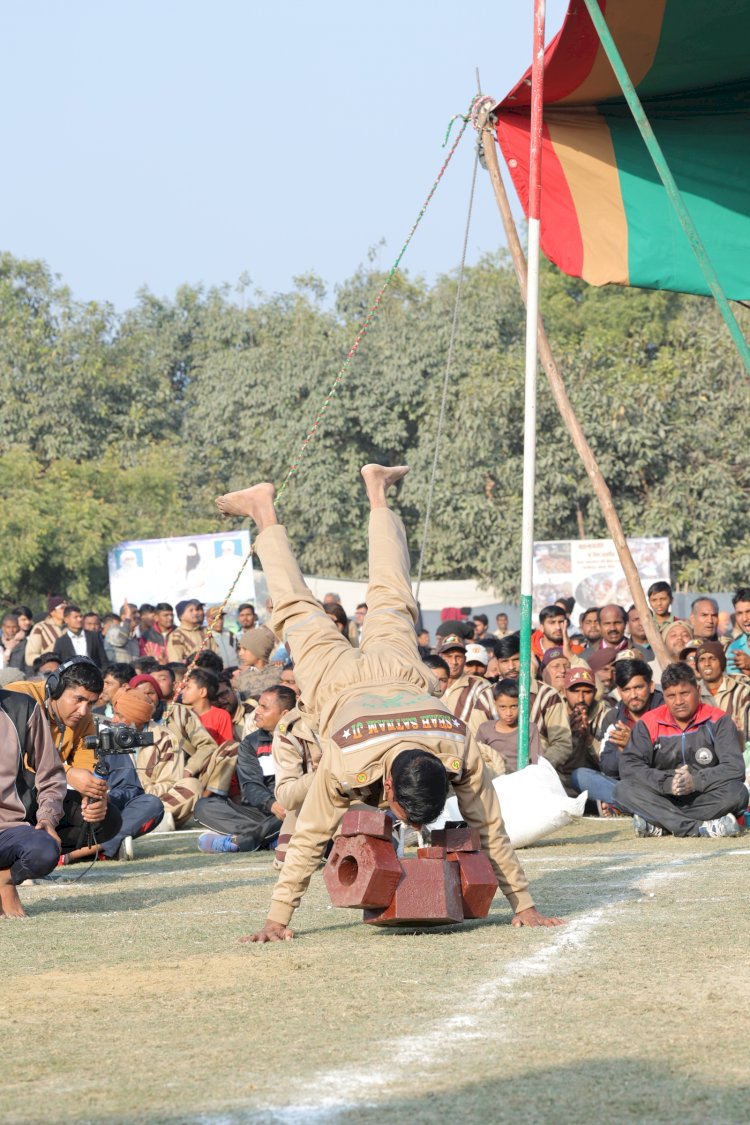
(738, 652)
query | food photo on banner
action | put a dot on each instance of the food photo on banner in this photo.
(589, 570)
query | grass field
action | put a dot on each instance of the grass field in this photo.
(126, 998)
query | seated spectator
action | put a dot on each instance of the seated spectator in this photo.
(660, 597)
(704, 619)
(726, 693)
(12, 644)
(738, 651)
(32, 792)
(115, 677)
(676, 635)
(199, 693)
(477, 659)
(638, 634)
(246, 617)
(92, 622)
(498, 740)
(190, 634)
(634, 681)
(67, 698)
(682, 770)
(589, 625)
(440, 670)
(43, 635)
(141, 813)
(289, 679)
(44, 664)
(548, 710)
(254, 821)
(552, 631)
(226, 645)
(75, 641)
(254, 649)
(242, 714)
(687, 655)
(145, 665)
(508, 656)
(585, 713)
(553, 668)
(154, 635)
(602, 664)
(612, 622)
(469, 697)
(481, 627)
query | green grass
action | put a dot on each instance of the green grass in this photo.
(126, 998)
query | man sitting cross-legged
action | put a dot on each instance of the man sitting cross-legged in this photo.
(385, 737)
(682, 770)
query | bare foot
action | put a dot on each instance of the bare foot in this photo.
(255, 502)
(378, 479)
(10, 903)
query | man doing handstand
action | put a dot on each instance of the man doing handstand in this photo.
(385, 736)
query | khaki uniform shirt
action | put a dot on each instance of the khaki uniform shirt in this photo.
(296, 752)
(550, 714)
(372, 728)
(182, 643)
(471, 700)
(252, 682)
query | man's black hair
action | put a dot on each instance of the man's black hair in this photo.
(506, 687)
(742, 595)
(551, 611)
(675, 674)
(420, 785)
(43, 658)
(285, 697)
(177, 667)
(246, 605)
(705, 598)
(145, 664)
(22, 610)
(86, 676)
(71, 609)
(205, 679)
(567, 604)
(110, 617)
(168, 668)
(163, 607)
(433, 661)
(659, 588)
(481, 617)
(626, 670)
(210, 660)
(592, 609)
(147, 608)
(119, 671)
(508, 646)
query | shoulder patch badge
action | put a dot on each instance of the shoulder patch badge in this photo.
(456, 764)
(361, 778)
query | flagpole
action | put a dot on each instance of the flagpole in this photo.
(529, 432)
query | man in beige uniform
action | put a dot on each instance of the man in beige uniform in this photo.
(384, 734)
(190, 634)
(296, 752)
(469, 697)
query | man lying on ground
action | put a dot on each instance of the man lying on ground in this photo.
(385, 736)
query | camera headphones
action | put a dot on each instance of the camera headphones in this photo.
(55, 686)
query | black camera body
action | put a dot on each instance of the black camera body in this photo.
(118, 738)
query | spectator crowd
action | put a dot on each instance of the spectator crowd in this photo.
(213, 732)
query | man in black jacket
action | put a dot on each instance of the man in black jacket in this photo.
(254, 821)
(682, 770)
(77, 641)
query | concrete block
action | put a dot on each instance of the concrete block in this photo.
(431, 853)
(429, 894)
(362, 872)
(367, 822)
(456, 839)
(478, 882)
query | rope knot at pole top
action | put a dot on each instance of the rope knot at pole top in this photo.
(481, 104)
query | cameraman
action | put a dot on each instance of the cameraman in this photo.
(66, 697)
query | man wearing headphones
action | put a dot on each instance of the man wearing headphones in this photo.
(66, 698)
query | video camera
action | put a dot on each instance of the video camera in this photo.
(118, 738)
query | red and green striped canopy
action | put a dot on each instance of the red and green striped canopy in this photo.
(605, 214)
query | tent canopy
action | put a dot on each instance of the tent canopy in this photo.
(605, 214)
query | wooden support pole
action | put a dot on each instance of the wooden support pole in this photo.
(560, 395)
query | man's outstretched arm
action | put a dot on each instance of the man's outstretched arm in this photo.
(318, 819)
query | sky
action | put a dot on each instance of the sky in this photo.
(160, 143)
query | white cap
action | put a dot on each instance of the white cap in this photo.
(477, 654)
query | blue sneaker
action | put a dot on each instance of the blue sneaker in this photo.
(722, 826)
(213, 842)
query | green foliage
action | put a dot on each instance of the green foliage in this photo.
(127, 427)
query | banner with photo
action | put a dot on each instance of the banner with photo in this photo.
(186, 566)
(589, 570)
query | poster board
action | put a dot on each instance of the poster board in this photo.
(589, 570)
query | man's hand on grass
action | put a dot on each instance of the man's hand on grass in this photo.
(272, 931)
(532, 917)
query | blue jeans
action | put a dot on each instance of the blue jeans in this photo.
(29, 852)
(599, 786)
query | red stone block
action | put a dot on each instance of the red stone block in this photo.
(478, 882)
(362, 871)
(429, 894)
(367, 822)
(430, 853)
(456, 839)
